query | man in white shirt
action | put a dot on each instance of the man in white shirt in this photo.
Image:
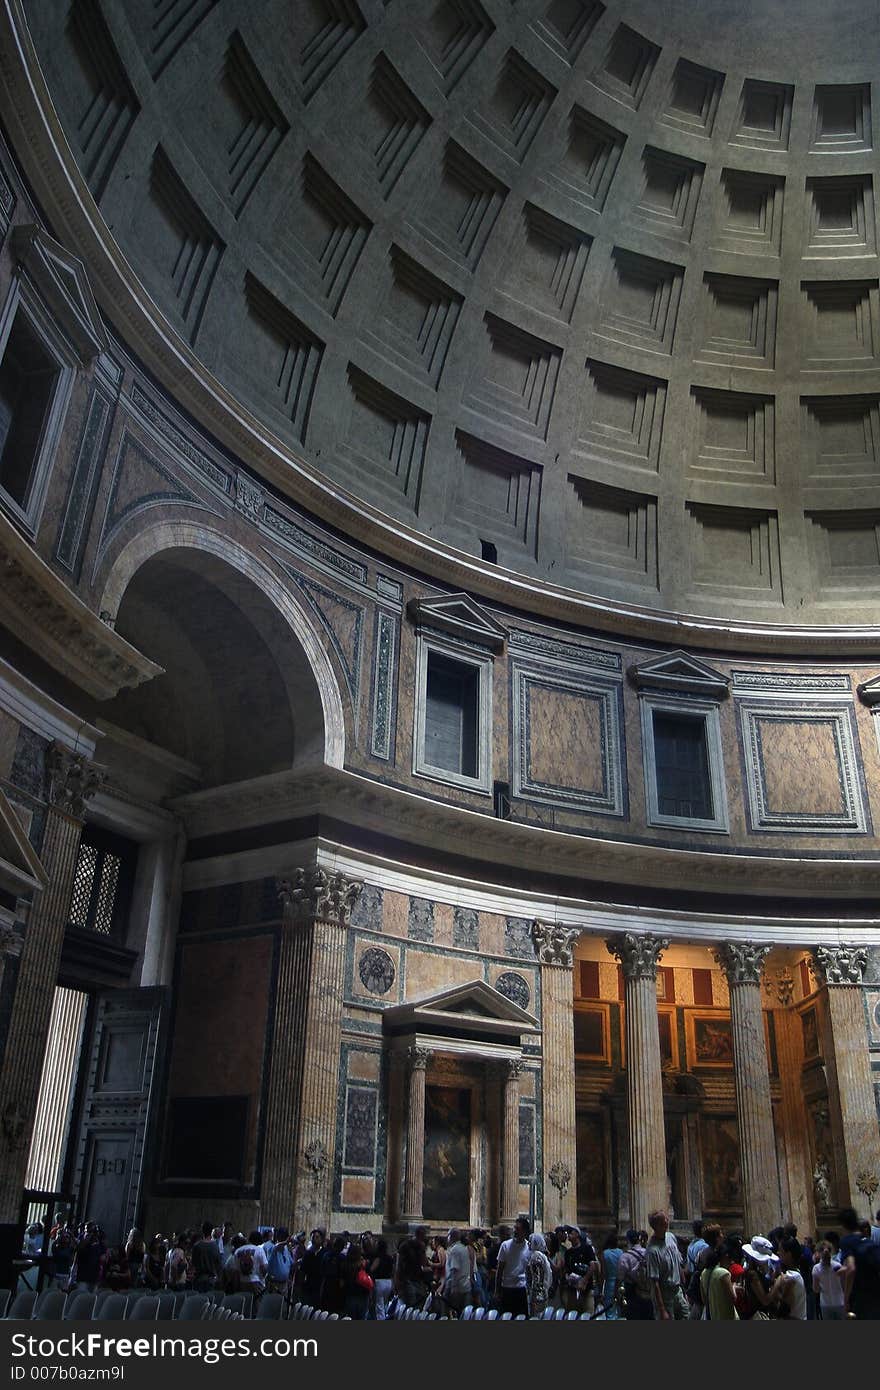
(457, 1286)
(252, 1265)
(510, 1275)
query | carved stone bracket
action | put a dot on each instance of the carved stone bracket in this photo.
(320, 893)
(554, 943)
(638, 955)
(742, 961)
(840, 965)
(73, 780)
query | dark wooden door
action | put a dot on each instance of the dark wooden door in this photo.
(114, 1114)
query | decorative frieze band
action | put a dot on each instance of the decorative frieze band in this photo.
(73, 780)
(318, 893)
(638, 955)
(554, 943)
(840, 965)
(742, 961)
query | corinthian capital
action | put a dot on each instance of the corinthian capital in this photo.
(554, 943)
(72, 780)
(638, 955)
(742, 961)
(840, 965)
(322, 894)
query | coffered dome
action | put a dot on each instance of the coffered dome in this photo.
(587, 290)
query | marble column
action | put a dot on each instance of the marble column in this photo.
(848, 1067)
(554, 946)
(742, 963)
(790, 1052)
(510, 1144)
(648, 1183)
(414, 1173)
(304, 1078)
(72, 780)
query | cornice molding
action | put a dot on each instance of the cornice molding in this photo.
(47, 616)
(59, 187)
(356, 800)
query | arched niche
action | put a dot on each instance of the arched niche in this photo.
(248, 689)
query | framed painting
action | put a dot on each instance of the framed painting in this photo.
(592, 1161)
(810, 1031)
(666, 1024)
(722, 1179)
(446, 1183)
(709, 1038)
(592, 1033)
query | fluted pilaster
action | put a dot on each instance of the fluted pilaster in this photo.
(72, 781)
(638, 956)
(510, 1144)
(299, 1153)
(554, 949)
(414, 1176)
(848, 1066)
(743, 962)
(790, 1051)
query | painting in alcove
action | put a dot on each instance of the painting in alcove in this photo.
(810, 1028)
(446, 1186)
(592, 1180)
(722, 1182)
(710, 1040)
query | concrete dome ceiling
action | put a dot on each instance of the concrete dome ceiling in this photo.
(592, 287)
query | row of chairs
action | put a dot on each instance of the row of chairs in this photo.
(80, 1306)
(548, 1315)
(304, 1312)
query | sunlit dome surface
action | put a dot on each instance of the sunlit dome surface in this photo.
(588, 289)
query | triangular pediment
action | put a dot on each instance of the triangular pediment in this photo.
(62, 283)
(680, 671)
(869, 691)
(459, 615)
(20, 869)
(474, 1004)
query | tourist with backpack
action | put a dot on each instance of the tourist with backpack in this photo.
(632, 1270)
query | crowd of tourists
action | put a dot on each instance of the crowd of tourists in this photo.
(641, 1275)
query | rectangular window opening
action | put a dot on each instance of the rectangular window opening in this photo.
(684, 787)
(452, 698)
(28, 381)
(103, 882)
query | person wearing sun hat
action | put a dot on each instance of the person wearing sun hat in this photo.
(761, 1250)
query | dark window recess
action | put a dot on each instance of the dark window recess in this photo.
(103, 882)
(206, 1138)
(28, 377)
(451, 703)
(501, 800)
(489, 552)
(682, 762)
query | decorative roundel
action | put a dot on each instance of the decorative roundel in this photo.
(514, 988)
(376, 969)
